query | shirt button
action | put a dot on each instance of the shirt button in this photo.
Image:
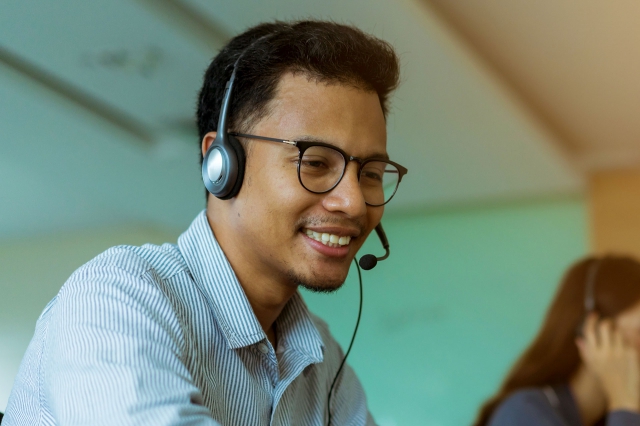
(263, 348)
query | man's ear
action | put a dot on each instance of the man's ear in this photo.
(207, 140)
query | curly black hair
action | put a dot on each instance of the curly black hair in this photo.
(325, 51)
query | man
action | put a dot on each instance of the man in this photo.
(213, 330)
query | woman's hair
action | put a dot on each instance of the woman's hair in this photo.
(552, 358)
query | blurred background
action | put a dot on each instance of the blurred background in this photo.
(517, 121)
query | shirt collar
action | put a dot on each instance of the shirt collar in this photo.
(216, 279)
(297, 331)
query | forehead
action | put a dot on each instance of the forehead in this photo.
(343, 115)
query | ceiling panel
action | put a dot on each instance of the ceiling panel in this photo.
(576, 64)
(462, 134)
(114, 50)
(64, 169)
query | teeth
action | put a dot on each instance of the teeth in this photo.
(328, 239)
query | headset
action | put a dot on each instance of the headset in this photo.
(589, 293)
(224, 162)
(590, 286)
(223, 172)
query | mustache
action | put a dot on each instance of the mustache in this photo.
(360, 225)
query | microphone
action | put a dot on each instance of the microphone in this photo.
(369, 261)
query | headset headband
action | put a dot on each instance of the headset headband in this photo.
(224, 109)
(589, 292)
(224, 162)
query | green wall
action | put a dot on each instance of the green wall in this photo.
(444, 316)
(460, 296)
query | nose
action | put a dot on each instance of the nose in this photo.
(347, 196)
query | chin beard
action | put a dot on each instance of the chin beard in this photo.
(314, 284)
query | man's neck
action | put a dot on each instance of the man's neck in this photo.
(267, 300)
(267, 294)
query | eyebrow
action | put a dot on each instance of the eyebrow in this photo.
(307, 138)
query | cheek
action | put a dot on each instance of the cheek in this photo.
(634, 338)
(631, 336)
(374, 214)
(274, 197)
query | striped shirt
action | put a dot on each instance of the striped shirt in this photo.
(164, 335)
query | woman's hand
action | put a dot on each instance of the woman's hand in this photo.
(613, 361)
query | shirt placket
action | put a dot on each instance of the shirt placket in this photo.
(292, 364)
(269, 362)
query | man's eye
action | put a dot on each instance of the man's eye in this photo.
(372, 172)
(313, 163)
(371, 175)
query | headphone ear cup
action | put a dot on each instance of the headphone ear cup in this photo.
(241, 160)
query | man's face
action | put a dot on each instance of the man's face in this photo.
(272, 214)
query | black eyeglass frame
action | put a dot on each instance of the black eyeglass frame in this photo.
(304, 145)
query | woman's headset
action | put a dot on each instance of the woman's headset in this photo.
(590, 286)
(589, 293)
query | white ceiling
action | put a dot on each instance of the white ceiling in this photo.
(116, 143)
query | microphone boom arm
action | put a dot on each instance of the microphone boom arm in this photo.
(383, 240)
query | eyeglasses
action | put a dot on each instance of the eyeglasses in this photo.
(321, 167)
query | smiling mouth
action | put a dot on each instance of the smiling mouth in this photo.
(329, 240)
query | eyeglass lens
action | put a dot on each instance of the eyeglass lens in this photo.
(321, 169)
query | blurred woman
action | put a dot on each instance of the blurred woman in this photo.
(583, 367)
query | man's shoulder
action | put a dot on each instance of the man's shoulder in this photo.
(124, 268)
(123, 279)
(164, 261)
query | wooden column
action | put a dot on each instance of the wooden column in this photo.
(615, 212)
